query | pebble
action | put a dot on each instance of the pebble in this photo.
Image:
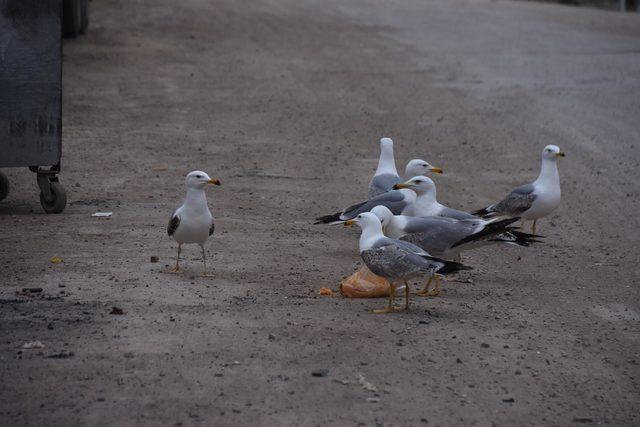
(62, 355)
(322, 372)
(116, 310)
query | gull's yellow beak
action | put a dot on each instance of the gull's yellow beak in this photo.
(560, 154)
(349, 222)
(436, 170)
(213, 181)
(401, 185)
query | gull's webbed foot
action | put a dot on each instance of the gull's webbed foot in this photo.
(433, 292)
(175, 270)
(425, 291)
(389, 310)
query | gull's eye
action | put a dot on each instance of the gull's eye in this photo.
(198, 176)
(425, 165)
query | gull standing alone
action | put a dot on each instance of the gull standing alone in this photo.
(386, 175)
(396, 260)
(192, 222)
(535, 200)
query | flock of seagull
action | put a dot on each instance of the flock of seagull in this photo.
(407, 233)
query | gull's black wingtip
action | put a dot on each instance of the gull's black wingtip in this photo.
(326, 219)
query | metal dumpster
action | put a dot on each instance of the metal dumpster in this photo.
(31, 95)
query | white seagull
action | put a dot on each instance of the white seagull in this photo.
(192, 222)
(386, 175)
(396, 260)
(535, 200)
(447, 238)
(426, 203)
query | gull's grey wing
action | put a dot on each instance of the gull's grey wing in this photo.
(395, 262)
(409, 247)
(382, 183)
(437, 235)
(396, 259)
(516, 202)
(394, 200)
(174, 222)
(212, 228)
(455, 214)
(436, 223)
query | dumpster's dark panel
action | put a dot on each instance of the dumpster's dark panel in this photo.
(30, 82)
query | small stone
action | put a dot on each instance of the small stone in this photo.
(484, 345)
(117, 311)
(458, 360)
(272, 337)
(62, 355)
(583, 420)
(508, 400)
(373, 399)
(154, 259)
(33, 344)
(423, 322)
(322, 372)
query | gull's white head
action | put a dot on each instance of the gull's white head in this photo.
(417, 167)
(198, 180)
(386, 143)
(552, 152)
(366, 221)
(419, 184)
(384, 214)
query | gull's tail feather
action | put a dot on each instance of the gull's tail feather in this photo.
(489, 212)
(449, 267)
(490, 229)
(482, 212)
(514, 237)
(329, 219)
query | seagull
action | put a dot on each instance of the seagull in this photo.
(192, 222)
(446, 238)
(396, 260)
(426, 203)
(535, 200)
(386, 175)
(398, 201)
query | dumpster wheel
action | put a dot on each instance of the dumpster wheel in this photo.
(4, 186)
(53, 197)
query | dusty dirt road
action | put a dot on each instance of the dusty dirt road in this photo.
(284, 101)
